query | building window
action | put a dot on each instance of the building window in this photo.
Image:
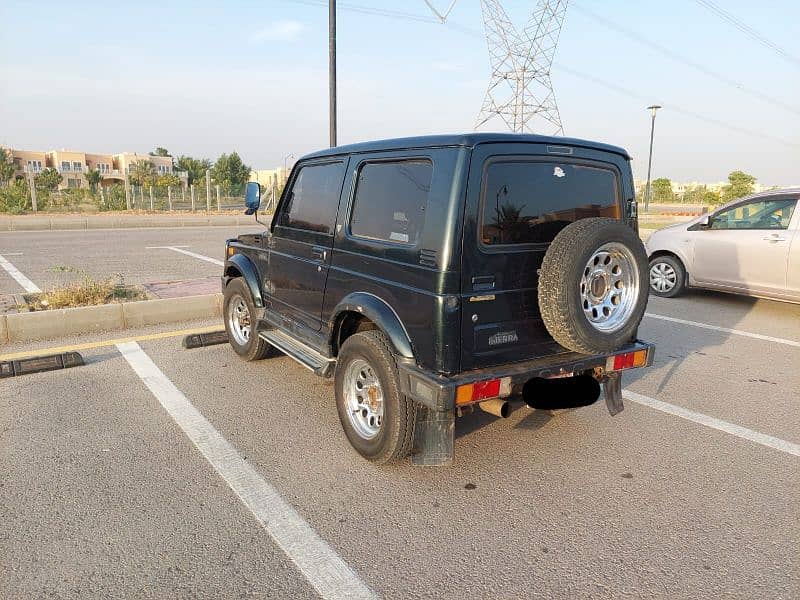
(65, 165)
(34, 166)
(73, 183)
(77, 166)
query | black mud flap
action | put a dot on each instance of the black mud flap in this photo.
(434, 435)
(612, 389)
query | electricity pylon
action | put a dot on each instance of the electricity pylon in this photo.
(520, 91)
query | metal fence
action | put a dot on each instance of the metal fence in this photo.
(17, 197)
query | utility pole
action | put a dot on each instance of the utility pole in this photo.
(652, 110)
(127, 190)
(332, 70)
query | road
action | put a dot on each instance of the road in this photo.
(114, 489)
(55, 258)
(106, 494)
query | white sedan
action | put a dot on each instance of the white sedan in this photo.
(749, 246)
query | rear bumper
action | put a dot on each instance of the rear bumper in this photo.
(439, 393)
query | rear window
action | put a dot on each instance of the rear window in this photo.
(390, 200)
(529, 202)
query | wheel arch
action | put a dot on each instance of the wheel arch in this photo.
(240, 265)
(361, 311)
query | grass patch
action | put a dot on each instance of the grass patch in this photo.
(87, 292)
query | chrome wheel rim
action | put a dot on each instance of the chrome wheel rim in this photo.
(364, 398)
(609, 287)
(662, 277)
(239, 320)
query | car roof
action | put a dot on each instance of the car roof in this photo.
(467, 140)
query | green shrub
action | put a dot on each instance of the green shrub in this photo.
(14, 198)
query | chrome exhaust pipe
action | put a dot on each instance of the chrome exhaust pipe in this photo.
(497, 407)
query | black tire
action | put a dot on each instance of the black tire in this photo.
(575, 321)
(252, 347)
(395, 435)
(666, 270)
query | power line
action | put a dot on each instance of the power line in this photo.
(687, 61)
(675, 108)
(747, 30)
(585, 76)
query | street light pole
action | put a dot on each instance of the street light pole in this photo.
(285, 158)
(652, 110)
(332, 70)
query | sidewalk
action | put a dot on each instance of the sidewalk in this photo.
(44, 222)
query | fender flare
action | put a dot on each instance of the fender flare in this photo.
(245, 266)
(379, 312)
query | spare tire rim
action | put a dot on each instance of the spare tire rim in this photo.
(364, 398)
(609, 287)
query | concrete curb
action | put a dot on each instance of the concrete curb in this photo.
(55, 223)
(24, 327)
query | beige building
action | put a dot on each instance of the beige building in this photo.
(269, 177)
(74, 165)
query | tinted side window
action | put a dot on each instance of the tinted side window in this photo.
(526, 202)
(314, 198)
(761, 214)
(390, 200)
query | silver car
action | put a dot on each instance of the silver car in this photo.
(749, 246)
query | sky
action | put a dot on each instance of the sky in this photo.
(202, 78)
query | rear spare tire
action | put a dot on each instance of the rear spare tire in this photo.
(593, 285)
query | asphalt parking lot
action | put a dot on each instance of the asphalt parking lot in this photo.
(155, 471)
(55, 258)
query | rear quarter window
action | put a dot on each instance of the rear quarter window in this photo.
(529, 202)
(390, 200)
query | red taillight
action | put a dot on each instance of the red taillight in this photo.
(629, 360)
(482, 390)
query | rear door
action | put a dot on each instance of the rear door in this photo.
(302, 238)
(517, 202)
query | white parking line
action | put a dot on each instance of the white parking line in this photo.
(26, 283)
(756, 336)
(192, 254)
(696, 417)
(322, 567)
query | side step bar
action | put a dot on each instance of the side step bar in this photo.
(305, 355)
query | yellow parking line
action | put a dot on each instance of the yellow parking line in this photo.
(100, 344)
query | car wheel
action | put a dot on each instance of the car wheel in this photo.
(377, 418)
(667, 276)
(593, 285)
(239, 315)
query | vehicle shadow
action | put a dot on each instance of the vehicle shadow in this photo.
(531, 419)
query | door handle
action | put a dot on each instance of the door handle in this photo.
(319, 253)
(483, 282)
(774, 238)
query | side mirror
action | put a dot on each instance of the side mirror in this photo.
(252, 197)
(705, 222)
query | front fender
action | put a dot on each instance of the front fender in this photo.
(379, 312)
(243, 265)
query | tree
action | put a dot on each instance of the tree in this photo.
(739, 184)
(93, 177)
(195, 167)
(142, 172)
(7, 167)
(168, 179)
(48, 179)
(161, 152)
(661, 190)
(711, 198)
(230, 172)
